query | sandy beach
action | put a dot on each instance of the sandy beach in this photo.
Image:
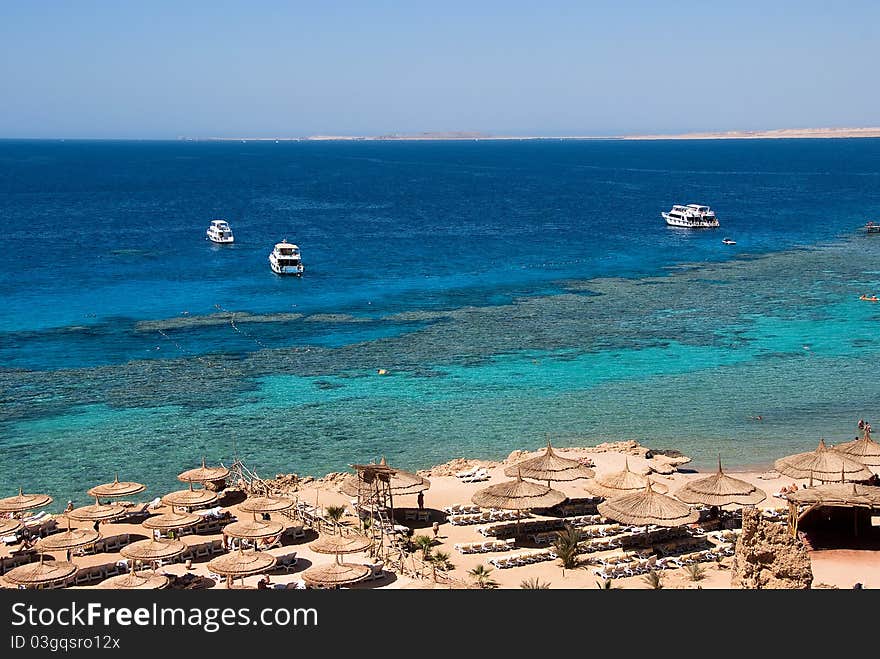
(831, 568)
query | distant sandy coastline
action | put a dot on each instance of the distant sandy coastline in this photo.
(778, 133)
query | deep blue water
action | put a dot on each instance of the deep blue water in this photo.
(457, 266)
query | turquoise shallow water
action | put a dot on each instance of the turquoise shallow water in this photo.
(669, 340)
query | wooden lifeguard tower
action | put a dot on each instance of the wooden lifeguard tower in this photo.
(376, 503)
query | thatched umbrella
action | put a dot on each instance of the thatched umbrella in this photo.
(144, 580)
(69, 539)
(865, 450)
(401, 482)
(34, 575)
(203, 474)
(189, 498)
(648, 507)
(241, 564)
(517, 495)
(719, 489)
(617, 483)
(824, 464)
(550, 467)
(153, 550)
(116, 489)
(268, 504)
(171, 521)
(96, 512)
(253, 529)
(340, 544)
(24, 502)
(335, 574)
(8, 526)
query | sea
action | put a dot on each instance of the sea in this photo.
(460, 299)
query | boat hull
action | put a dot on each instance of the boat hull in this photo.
(288, 270)
(219, 240)
(685, 224)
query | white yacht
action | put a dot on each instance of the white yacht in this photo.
(285, 259)
(219, 232)
(692, 216)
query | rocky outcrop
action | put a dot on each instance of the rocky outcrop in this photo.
(767, 557)
(454, 466)
(629, 446)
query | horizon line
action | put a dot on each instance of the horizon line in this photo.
(775, 133)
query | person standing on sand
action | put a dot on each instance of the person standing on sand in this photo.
(436, 528)
(421, 500)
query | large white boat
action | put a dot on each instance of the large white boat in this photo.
(692, 216)
(285, 259)
(219, 232)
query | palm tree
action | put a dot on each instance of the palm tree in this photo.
(534, 584)
(481, 574)
(694, 572)
(566, 546)
(440, 561)
(424, 543)
(654, 579)
(606, 584)
(335, 513)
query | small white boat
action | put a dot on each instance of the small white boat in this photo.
(285, 259)
(219, 232)
(692, 216)
(728, 241)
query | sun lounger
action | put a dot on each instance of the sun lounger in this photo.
(286, 562)
(209, 512)
(478, 476)
(377, 570)
(269, 543)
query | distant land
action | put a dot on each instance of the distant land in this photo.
(776, 133)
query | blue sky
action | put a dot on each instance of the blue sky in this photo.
(165, 69)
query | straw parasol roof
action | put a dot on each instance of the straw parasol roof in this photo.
(339, 544)
(838, 494)
(621, 482)
(116, 489)
(401, 482)
(823, 464)
(517, 495)
(172, 520)
(241, 563)
(203, 474)
(550, 467)
(719, 489)
(865, 450)
(268, 504)
(648, 507)
(335, 574)
(189, 498)
(253, 529)
(68, 539)
(145, 580)
(8, 526)
(153, 550)
(96, 512)
(23, 502)
(36, 574)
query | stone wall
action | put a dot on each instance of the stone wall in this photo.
(768, 557)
